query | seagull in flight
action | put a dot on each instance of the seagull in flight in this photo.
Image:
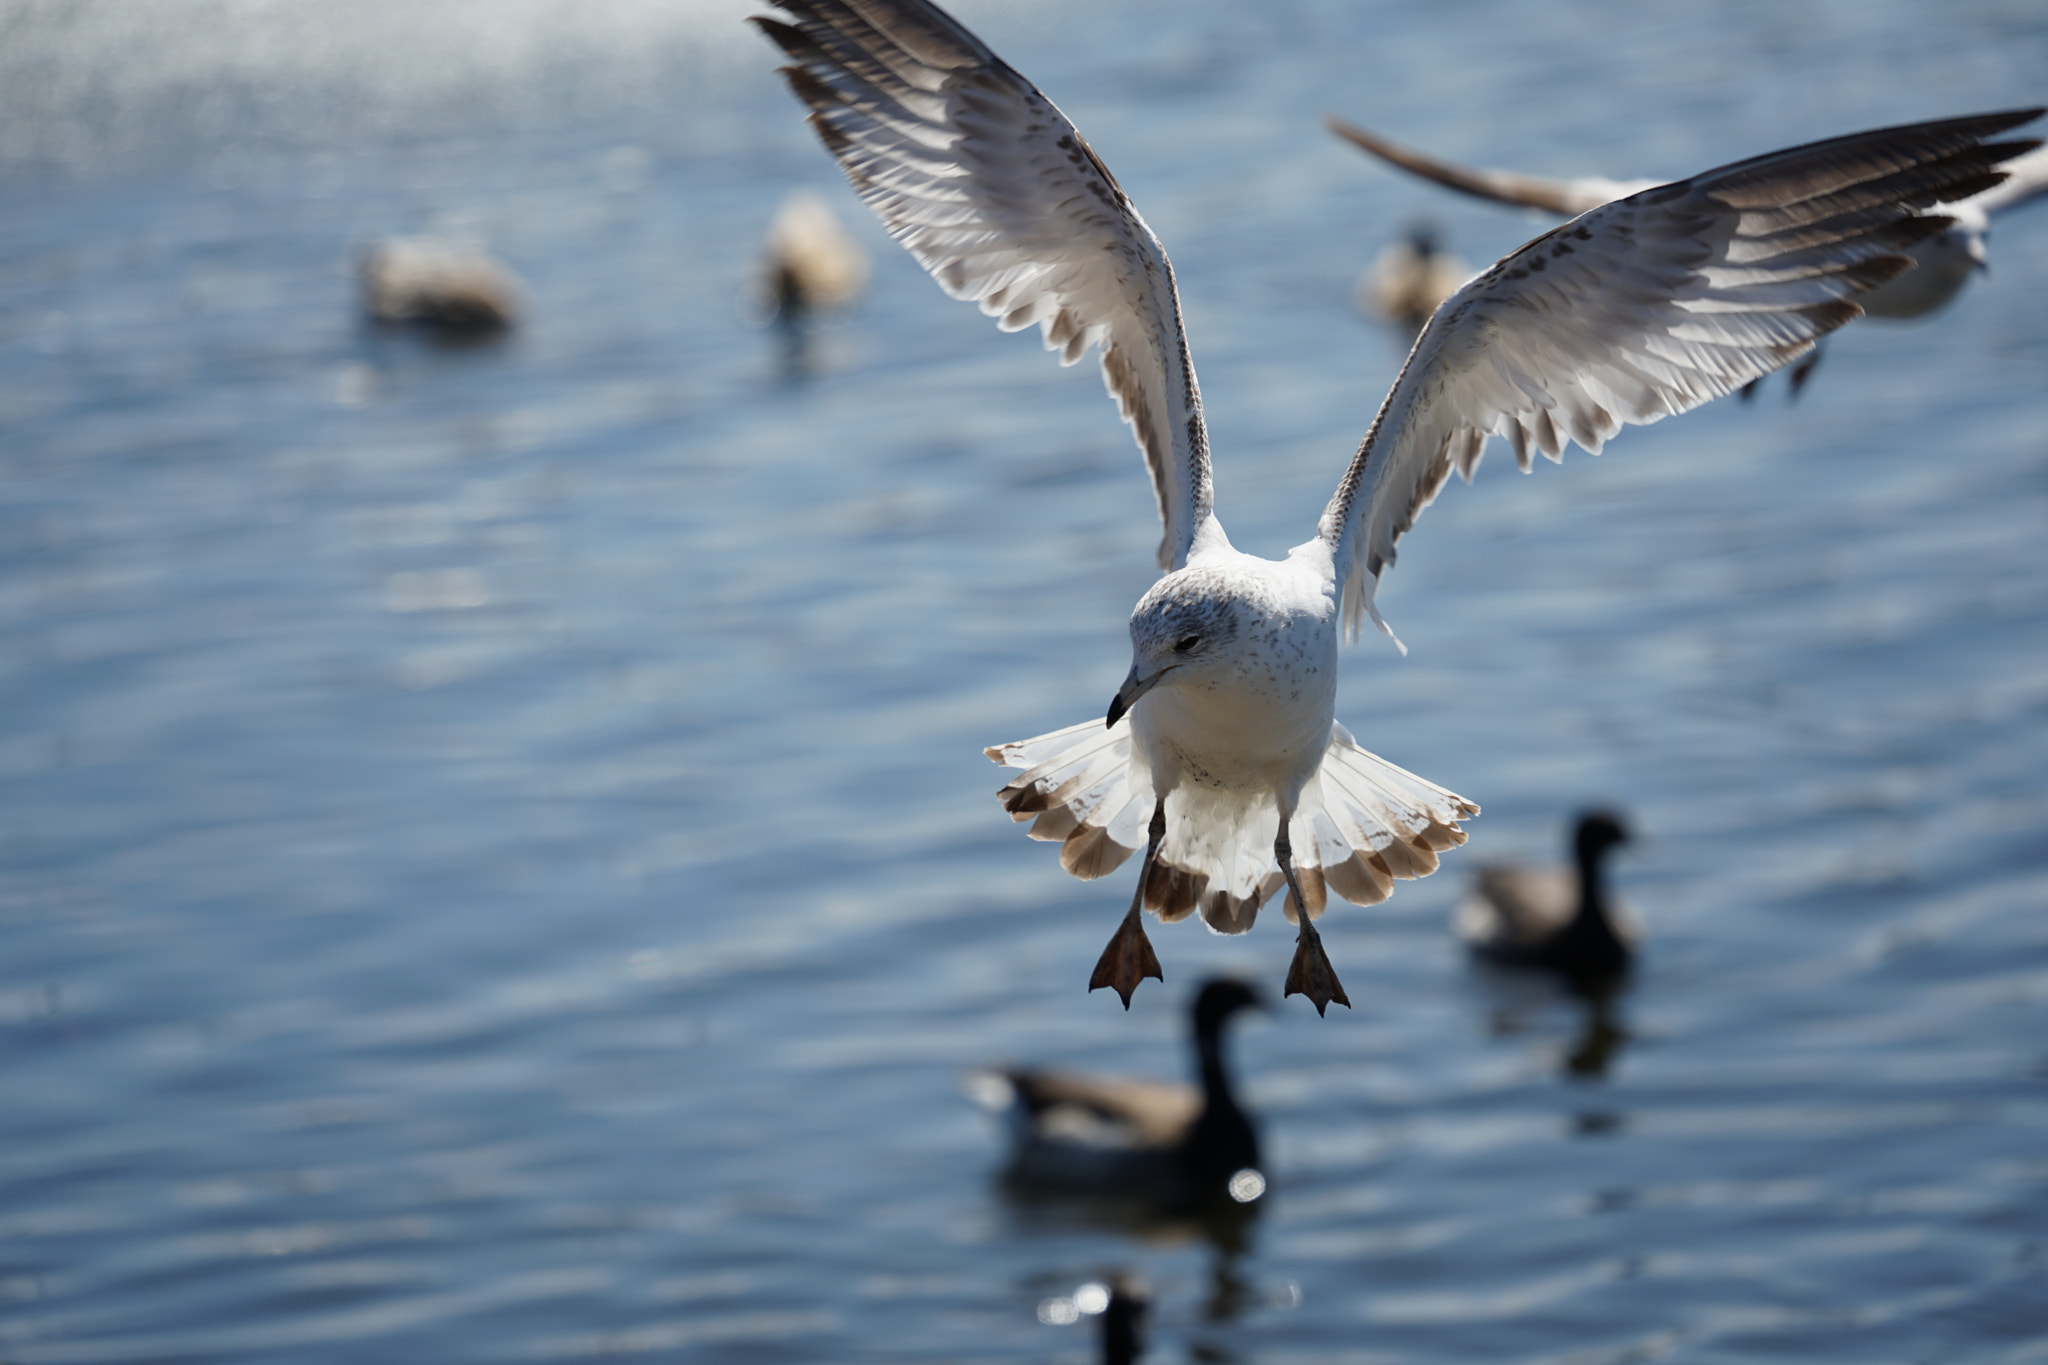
(1943, 263)
(1221, 755)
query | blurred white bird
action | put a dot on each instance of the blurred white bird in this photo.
(1944, 262)
(810, 265)
(1410, 278)
(441, 286)
(1221, 753)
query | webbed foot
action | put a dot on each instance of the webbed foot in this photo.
(1311, 974)
(1127, 960)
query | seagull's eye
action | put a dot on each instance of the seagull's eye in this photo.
(1186, 644)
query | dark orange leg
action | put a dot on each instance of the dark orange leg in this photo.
(1310, 973)
(1129, 958)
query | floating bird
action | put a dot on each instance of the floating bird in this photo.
(1944, 262)
(1559, 918)
(1221, 754)
(458, 293)
(1410, 278)
(810, 265)
(1169, 1146)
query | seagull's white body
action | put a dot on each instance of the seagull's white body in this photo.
(1943, 263)
(1260, 725)
(1236, 740)
(1221, 755)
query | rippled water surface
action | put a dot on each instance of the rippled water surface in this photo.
(495, 857)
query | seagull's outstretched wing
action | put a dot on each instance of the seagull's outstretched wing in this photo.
(1645, 307)
(994, 193)
(1568, 198)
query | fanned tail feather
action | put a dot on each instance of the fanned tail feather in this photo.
(1360, 825)
(1363, 823)
(1085, 789)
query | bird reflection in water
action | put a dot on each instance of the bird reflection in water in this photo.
(1521, 1004)
(1118, 1304)
(1165, 1164)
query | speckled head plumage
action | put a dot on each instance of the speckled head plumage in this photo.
(1190, 618)
(1187, 614)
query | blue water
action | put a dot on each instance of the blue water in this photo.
(495, 857)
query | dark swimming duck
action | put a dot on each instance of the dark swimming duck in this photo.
(1111, 1137)
(1560, 918)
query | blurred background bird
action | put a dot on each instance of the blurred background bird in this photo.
(1167, 1145)
(1410, 278)
(453, 291)
(810, 268)
(1945, 262)
(1561, 919)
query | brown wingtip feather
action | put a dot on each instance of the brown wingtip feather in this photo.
(1876, 270)
(1089, 853)
(1910, 164)
(1173, 893)
(1826, 317)
(815, 94)
(1229, 914)
(1360, 880)
(778, 32)
(1022, 797)
(1055, 826)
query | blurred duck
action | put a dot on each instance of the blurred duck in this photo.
(444, 288)
(810, 264)
(1161, 1144)
(1410, 278)
(1945, 262)
(1559, 918)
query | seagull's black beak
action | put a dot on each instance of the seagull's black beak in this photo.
(1126, 696)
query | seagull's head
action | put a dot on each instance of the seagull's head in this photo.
(1965, 239)
(1181, 631)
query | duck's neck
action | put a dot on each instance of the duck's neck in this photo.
(1215, 1081)
(1221, 1142)
(1591, 920)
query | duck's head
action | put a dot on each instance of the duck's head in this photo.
(1598, 831)
(1221, 997)
(1181, 631)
